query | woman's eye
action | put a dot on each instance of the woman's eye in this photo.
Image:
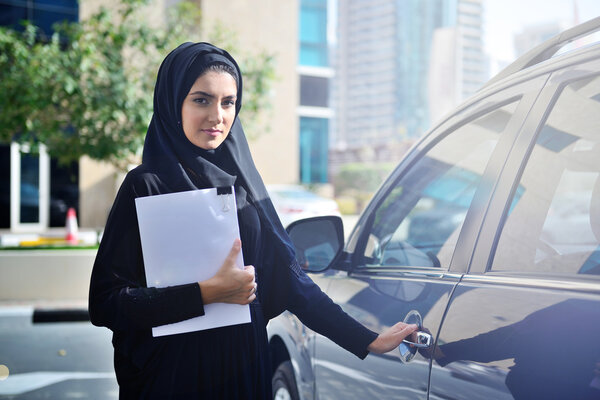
(229, 103)
(201, 100)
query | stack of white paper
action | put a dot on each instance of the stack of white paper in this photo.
(185, 238)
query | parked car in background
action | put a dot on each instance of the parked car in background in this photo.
(487, 236)
(293, 202)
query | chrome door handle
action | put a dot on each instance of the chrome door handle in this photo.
(423, 340)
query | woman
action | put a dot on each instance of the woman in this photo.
(196, 141)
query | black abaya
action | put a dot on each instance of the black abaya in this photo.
(224, 363)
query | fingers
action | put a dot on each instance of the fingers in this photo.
(408, 329)
(402, 329)
(252, 293)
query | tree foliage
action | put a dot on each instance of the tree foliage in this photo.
(366, 176)
(88, 89)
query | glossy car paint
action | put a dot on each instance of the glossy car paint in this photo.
(507, 333)
(517, 327)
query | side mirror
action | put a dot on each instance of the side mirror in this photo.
(317, 240)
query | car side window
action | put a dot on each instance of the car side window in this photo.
(419, 221)
(553, 224)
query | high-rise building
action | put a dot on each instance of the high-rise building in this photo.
(388, 52)
(458, 66)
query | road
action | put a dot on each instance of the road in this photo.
(66, 360)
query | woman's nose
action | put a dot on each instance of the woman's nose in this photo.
(216, 114)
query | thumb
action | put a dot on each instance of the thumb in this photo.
(233, 253)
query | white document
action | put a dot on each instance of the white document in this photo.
(185, 238)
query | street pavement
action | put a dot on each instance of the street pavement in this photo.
(63, 360)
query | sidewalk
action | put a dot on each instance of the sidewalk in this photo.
(59, 278)
(9, 238)
(45, 275)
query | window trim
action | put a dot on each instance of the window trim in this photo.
(15, 190)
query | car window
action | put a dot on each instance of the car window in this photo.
(419, 221)
(553, 224)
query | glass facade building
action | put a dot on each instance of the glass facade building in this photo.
(314, 78)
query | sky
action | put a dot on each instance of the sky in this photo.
(504, 18)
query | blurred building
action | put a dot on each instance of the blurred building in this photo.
(36, 192)
(458, 66)
(315, 74)
(399, 65)
(295, 148)
(531, 36)
(270, 26)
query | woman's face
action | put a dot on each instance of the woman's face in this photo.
(208, 110)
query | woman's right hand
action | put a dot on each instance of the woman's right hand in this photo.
(230, 284)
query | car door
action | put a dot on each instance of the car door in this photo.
(402, 263)
(524, 322)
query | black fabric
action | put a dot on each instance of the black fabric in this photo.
(187, 365)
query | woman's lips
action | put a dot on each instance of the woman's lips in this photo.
(212, 132)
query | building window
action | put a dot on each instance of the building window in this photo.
(41, 13)
(314, 91)
(35, 190)
(314, 142)
(313, 33)
(4, 186)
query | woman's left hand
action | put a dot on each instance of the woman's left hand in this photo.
(391, 338)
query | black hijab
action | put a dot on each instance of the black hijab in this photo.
(185, 166)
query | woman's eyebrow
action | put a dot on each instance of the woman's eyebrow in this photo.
(201, 93)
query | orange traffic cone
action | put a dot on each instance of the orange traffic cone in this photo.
(71, 226)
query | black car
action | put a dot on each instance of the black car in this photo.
(487, 235)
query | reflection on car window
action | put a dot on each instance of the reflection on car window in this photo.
(553, 225)
(419, 222)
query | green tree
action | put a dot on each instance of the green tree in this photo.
(87, 90)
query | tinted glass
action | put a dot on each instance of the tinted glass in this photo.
(314, 144)
(314, 91)
(4, 186)
(30, 188)
(419, 222)
(41, 13)
(553, 225)
(313, 33)
(64, 191)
